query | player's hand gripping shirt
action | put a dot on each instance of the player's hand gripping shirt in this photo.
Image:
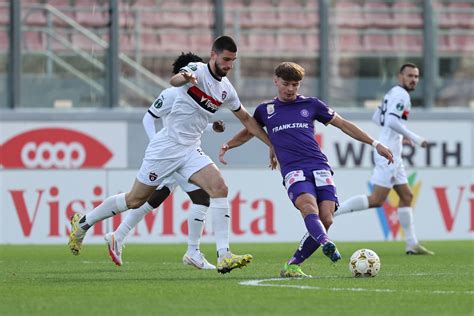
(196, 104)
(290, 127)
(395, 103)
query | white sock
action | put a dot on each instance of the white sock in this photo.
(219, 208)
(196, 221)
(111, 206)
(405, 216)
(131, 220)
(353, 204)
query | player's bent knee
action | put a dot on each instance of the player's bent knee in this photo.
(219, 190)
(407, 198)
(134, 202)
(376, 202)
(308, 208)
(327, 221)
(199, 197)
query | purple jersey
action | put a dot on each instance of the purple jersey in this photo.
(290, 127)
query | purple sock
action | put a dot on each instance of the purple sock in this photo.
(307, 247)
(316, 228)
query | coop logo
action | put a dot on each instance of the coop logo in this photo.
(387, 213)
(53, 148)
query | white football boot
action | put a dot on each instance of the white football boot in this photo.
(115, 248)
(198, 261)
(418, 250)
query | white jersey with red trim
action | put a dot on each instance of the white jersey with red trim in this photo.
(161, 107)
(194, 105)
(397, 103)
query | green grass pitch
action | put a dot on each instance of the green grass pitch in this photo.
(48, 280)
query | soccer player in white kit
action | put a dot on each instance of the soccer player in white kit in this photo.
(395, 107)
(160, 109)
(204, 89)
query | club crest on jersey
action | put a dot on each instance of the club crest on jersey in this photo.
(270, 108)
(400, 106)
(192, 66)
(224, 95)
(152, 176)
(304, 113)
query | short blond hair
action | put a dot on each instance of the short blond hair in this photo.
(289, 71)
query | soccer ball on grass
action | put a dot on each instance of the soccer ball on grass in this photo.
(364, 263)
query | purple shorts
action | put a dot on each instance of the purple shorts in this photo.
(321, 193)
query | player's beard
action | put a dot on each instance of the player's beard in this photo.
(408, 88)
(219, 71)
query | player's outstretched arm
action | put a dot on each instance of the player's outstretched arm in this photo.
(182, 78)
(394, 123)
(240, 138)
(252, 126)
(357, 133)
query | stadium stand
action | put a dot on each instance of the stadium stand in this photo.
(379, 15)
(407, 14)
(32, 41)
(152, 30)
(4, 44)
(4, 15)
(461, 14)
(266, 26)
(350, 14)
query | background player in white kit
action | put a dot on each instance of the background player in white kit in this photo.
(395, 107)
(160, 109)
(204, 89)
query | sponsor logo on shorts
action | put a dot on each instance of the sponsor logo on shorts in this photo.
(152, 176)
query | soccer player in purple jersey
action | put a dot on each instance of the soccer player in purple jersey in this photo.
(289, 121)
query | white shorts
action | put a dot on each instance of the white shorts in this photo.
(177, 180)
(389, 175)
(162, 162)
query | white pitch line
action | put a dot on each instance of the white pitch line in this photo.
(338, 289)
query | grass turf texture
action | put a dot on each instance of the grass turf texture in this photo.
(48, 280)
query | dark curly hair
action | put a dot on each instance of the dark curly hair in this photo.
(183, 60)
